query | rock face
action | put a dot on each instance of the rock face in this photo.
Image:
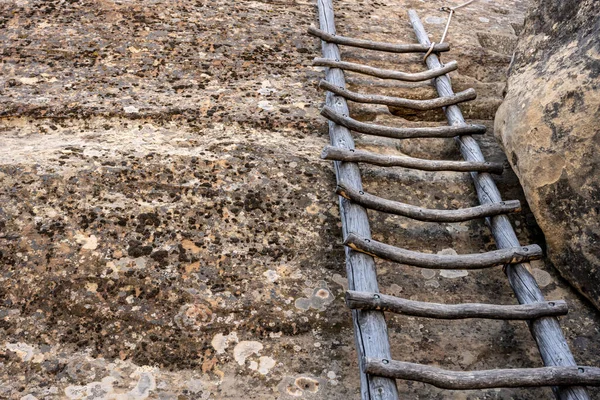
(548, 124)
(168, 231)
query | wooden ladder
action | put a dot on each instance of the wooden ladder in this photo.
(378, 371)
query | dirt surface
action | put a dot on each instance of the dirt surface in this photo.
(167, 230)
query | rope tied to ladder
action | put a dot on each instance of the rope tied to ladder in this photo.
(451, 11)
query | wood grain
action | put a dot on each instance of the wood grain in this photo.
(386, 73)
(353, 155)
(373, 45)
(370, 329)
(421, 105)
(512, 255)
(487, 379)
(401, 133)
(546, 331)
(377, 203)
(378, 301)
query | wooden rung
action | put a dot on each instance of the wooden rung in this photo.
(402, 133)
(378, 301)
(421, 105)
(353, 155)
(371, 45)
(426, 214)
(386, 73)
(485, 379)
(513, 255)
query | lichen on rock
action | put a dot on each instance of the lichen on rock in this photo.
(162, 199)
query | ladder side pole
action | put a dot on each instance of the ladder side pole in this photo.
(546, 331)
(370, 326)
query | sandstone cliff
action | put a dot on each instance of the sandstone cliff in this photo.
(168, 231)
(549, 123)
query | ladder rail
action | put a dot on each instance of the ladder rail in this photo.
(546, 331)
(370, 328)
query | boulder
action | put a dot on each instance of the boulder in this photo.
(549, 126)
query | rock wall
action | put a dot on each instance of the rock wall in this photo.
(168, 231)
(548, 125)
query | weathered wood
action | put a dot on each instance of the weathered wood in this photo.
(386, 73)
(486, 379)
(421, 105)
(378, 301)
(489, 259)
(370, 329)
(377, 203)
(546, 331)
(401, 133)
(372, 45)
(338, 154)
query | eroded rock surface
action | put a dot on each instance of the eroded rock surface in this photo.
(548, 124)
(167, 230)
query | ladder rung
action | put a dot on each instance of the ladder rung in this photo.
(421, 105)
(378, 301)
(512, 255)
(353, 155)
(387, 73)
(377, 203)
(485, 379)
(371, 45)
(402, 133)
